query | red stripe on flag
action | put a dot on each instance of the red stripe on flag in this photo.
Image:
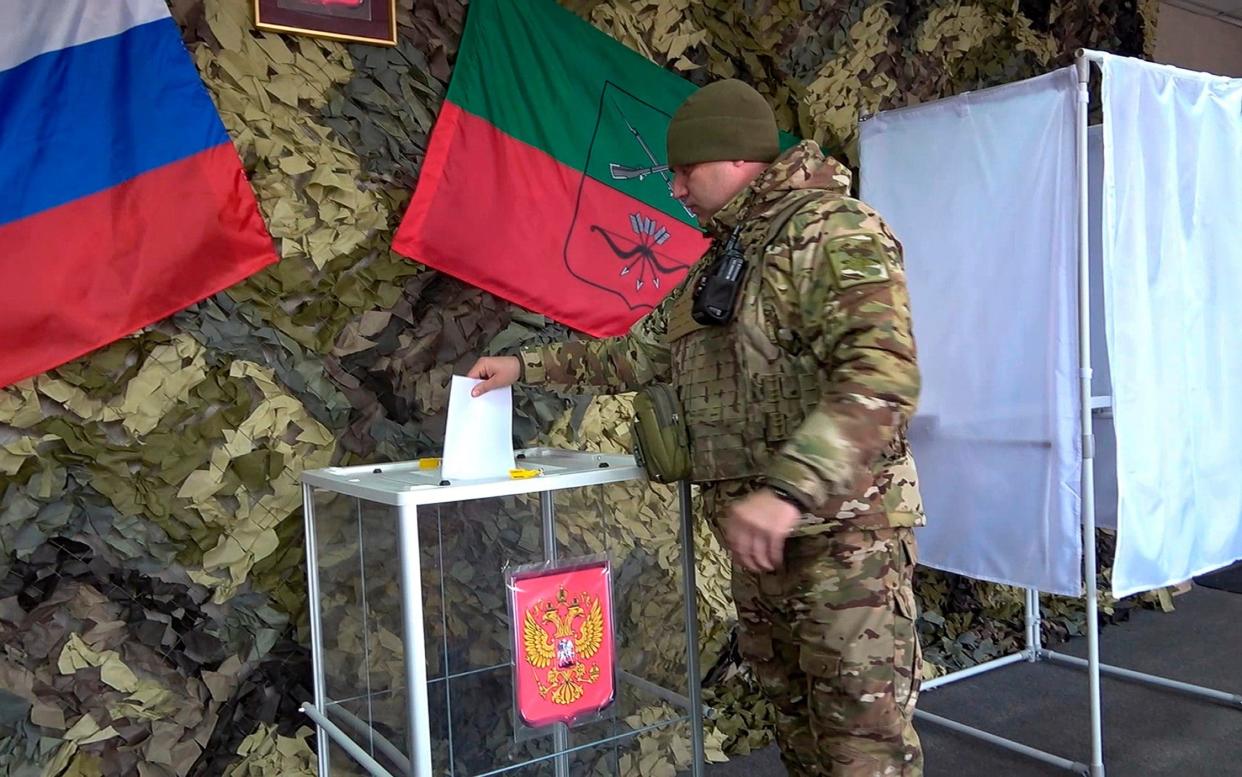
(509, 218)
(86, 273)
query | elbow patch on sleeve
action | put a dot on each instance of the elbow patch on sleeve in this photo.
(857, 259)
(532, 366)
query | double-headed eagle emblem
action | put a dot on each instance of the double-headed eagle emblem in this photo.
(567, 652)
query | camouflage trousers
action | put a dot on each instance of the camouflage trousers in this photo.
(831, 639)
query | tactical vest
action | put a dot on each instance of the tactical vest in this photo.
(740, 391)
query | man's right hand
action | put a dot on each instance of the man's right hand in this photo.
(495, 372)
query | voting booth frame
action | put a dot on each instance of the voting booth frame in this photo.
(404, 686)
(1033, 651)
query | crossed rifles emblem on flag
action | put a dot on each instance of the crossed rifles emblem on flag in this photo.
(648, 233)
(652, 247)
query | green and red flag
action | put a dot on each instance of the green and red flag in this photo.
(545, 180)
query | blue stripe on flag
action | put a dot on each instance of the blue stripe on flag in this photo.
(86, 118)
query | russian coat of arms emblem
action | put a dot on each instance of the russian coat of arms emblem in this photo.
(563, 643)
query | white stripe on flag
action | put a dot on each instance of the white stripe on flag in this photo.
(28, 29)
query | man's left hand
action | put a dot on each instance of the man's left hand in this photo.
(757, 527)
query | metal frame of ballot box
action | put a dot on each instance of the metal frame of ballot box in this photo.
(405, 487)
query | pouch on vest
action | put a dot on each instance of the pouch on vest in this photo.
(661, 444)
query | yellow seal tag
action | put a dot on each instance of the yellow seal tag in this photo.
(520, 474)
(428, 463)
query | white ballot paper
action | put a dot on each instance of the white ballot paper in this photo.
(478, 441)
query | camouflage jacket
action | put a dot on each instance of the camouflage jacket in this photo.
(835, 284)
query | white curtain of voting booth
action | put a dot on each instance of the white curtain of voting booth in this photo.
(1172, 249)
(981, 190)
(1101, 385)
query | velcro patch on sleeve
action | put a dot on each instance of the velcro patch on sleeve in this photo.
(857, 259)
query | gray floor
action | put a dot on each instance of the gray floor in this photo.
(1147, 731)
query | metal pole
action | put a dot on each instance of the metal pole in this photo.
(1008, 744)
(658, 691)
(692, 628)
(316, 623)
(366, 629)
(1223, 697)
(986, 666)
(380, 741)
(1037, 639)
(1032, 655)
(1088, 439)
(419, 721)
(525, 768)
(329, 728)
(1091, 55)
(560, 733)
(1026, 622)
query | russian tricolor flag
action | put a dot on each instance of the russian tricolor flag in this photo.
(122, 199)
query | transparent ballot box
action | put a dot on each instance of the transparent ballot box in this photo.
(414, 587)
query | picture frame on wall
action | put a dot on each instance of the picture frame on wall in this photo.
(354, 21)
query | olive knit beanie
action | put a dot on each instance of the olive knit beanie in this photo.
(725, 120)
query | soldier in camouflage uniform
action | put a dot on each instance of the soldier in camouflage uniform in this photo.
(796, 411)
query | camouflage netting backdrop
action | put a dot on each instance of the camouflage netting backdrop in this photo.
(152, 604)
